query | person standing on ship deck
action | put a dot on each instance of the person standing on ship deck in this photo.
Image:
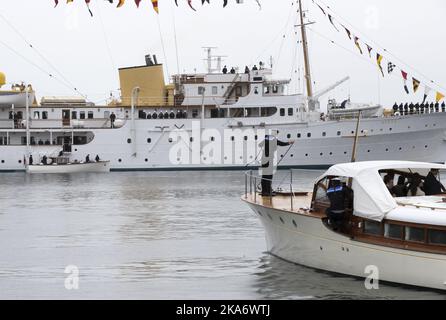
(269, 146)
(112, 120)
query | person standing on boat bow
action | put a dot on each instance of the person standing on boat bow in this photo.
(112, 120)
(267, 169)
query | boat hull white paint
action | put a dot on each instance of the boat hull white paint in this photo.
(99, 167)
(312, 244)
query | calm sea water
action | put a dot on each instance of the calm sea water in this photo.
(151, 236)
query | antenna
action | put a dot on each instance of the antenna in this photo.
(209, 57)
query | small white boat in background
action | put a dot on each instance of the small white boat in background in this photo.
(89, 167)
(348, 109)
(399, 240)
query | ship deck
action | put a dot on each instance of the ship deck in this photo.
(299, 204)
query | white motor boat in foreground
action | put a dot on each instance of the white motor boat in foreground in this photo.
(403, 239)
(99, 167)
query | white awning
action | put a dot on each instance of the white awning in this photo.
(372, 200)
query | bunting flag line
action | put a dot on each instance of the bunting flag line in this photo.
(390, 67)
(190, 4)
(358, 45)
(439, 97)
(379, 59)
(155, 6)
(416, 85)
(369, 49)
(427, 91)
(121, 3)
(404, 74)
(331, 21)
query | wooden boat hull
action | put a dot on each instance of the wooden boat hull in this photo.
(18, 99)
(305, 240)
(100, 167)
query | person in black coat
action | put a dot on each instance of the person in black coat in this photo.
(431, 184)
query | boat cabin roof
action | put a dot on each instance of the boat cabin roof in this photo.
(372, 199)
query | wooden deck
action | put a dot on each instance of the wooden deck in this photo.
(282, 201)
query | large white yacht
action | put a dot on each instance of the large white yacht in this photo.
(212, 120)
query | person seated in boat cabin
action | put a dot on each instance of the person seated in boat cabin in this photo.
(97, 158)
(400, 189)
(87, 159)
(337, 195)
(45, 160)
(431, 184)
(415, 186)
(30, 160)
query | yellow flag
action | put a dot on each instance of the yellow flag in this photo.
(121, 3)
(379, 59)
(439, 96)
(70, 1)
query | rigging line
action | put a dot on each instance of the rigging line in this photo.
(383, 48)
(176, 41)
(36, 66)
(41, 55)
(107, 42)
(277, 36)
(162, 45)
(393, 74)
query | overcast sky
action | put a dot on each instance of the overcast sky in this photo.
(87, 51)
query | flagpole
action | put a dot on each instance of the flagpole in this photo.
(306, 54)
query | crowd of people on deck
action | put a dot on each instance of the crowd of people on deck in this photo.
(247, 70)
(414, 185)
(45, 160)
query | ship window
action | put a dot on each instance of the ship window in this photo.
(290, 112)
(129, 140)
(201, 90)
(149, 140)
(299, 135)
(372, 228)
(282, 112)
(90, 114)
(437, 237)
(309, 134)
(214, 90)
(36, 115)
(82, 115)
(288, 136)
(194, 113)
(339, 133)
(393, 231)
(415, 234)
(324, 134)
(45, 115)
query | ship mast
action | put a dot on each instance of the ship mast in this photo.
(306, 54)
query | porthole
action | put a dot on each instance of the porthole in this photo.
(170, 140)
(146, 160)
(324, 134)
(299, 135)
(390, 129)
(425, 146)
(3, 161)
(321, 154)
(20, 161)
(281, 155)
(306, 154)
(245, 138)
(387, 150)
(191, 139)
(212, 139)
(400, 148)
(345, 152)
(149, 140)
(129, 140)
(331, 153)
(368, 151)
(288, 136)
(339, 133)
(119, 160)
(309, 134)
(292, 155)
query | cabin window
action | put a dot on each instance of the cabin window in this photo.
(290, 112)
(90, 114)
(82, 115)
(74, 115)
(44, 115)
(282, 112)
(238, 91)
(372, 228)
(299, 135)
(201, 90)
(339, 133)
(324, 134)
(309, 134)
(437, 237)
(393, 231)
(36, 115)
(269, 111)
(275, 89)
(214, 90)
(194, 113)
(415, 234)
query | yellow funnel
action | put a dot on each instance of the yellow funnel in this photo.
(2, 79)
